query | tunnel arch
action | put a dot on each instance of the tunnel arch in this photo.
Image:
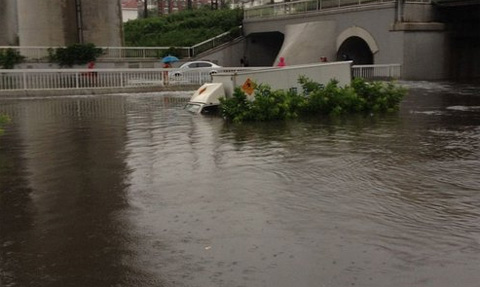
(355, 49)
(356, 44)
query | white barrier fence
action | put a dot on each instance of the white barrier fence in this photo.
(56, 79)
(377, 72)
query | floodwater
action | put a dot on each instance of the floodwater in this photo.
(131, 190)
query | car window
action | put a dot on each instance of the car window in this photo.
(196, 65)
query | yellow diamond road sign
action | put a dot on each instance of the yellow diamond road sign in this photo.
(248, 87)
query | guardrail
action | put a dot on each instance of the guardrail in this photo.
(377, 72)
(306, 6)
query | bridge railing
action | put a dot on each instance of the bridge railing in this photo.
(306, 6)
(377, 72)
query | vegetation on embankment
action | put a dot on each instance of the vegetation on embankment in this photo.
(9, 58)
(331, 99)
(185, 28)
(75, 54)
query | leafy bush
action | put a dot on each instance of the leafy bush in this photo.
(331, 99)
(76, 54)
(268, 105)
(9, 58)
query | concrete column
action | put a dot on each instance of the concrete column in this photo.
(46, 23)
(102, 22)
(8, 23)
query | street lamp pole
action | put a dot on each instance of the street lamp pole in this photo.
(145, 8)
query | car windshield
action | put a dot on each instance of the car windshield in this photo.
(193, 108)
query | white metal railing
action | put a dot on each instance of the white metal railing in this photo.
(140, 52)
(380, 71)
(56, 79)
(39, 53)
(306, 6)
(211, 43)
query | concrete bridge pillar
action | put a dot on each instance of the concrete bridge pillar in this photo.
(64, 22)
(8, 23)
(46, 23)
(102, 22)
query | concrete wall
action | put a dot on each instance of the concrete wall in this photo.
(425, 55)
(307, 42)
(8, 23)
(419, 12)
(376, 21)
(409, 44)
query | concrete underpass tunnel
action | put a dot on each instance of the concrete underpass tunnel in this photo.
(262, 48)
(356, 49)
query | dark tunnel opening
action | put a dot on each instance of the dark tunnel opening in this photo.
(357, 50)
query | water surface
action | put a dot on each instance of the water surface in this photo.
(132, 190)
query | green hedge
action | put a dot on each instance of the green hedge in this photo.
(184, 28)
(75, 54)
(331, 99)
(9, 58)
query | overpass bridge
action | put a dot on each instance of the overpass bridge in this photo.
(431, 39)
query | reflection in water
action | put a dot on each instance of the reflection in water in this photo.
(131, 190)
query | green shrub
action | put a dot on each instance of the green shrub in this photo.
(9, 58)
(379, 96)
(268, 105)
(76, 54)
(330, 99)
(184, 28)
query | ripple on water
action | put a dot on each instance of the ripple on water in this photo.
(390, 197)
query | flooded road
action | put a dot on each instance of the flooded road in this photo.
(131, 190)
